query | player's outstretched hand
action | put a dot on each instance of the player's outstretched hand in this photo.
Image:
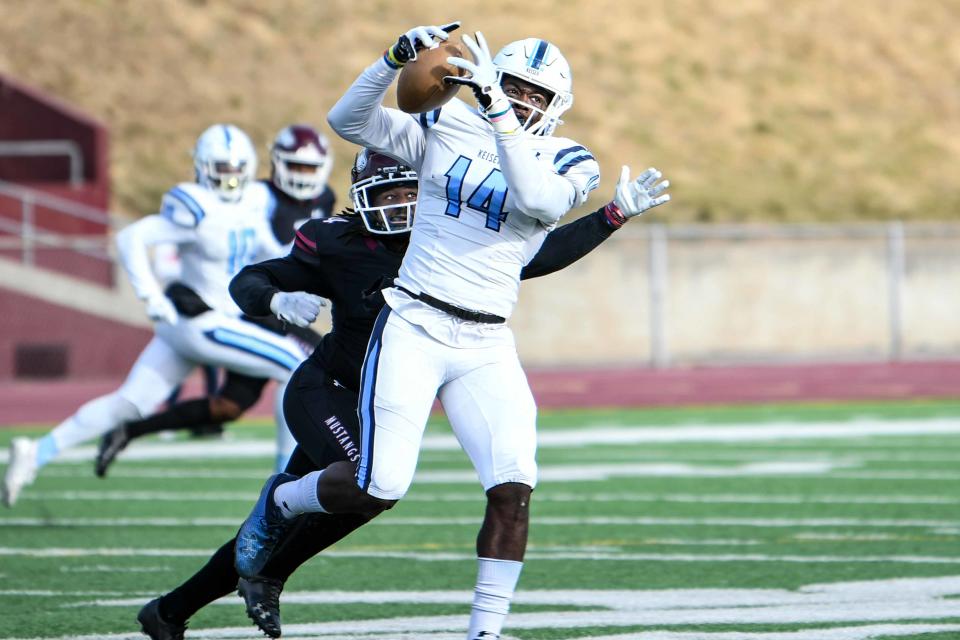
(635, 197)
(160, 309)
(424, 37)
(483, 82)
(299, 308)
(483, 75)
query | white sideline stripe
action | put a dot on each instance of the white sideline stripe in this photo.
(919, 601)
(546, 496)
(551, 473)
(867, 632)
(563, 521)
(842, 633)
(558, 438)
(534, 555)
(589, 472)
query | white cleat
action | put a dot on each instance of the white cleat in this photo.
(21, 470)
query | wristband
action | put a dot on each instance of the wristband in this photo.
(614, 216)
(390, 57)
(500, 113)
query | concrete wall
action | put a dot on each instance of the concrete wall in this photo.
(753, 294)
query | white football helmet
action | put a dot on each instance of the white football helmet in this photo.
(540, 63)
(300, 161)
(225, 161)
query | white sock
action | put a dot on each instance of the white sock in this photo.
(92, 420)
(299, 496)
(496, 581)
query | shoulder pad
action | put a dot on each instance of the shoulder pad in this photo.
(183, 206)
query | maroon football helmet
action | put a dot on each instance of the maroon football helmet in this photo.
(300, 161)
(372, 172)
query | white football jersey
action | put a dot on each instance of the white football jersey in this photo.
(226, 236)
(469, 240)
(470, 237)
(214, 239)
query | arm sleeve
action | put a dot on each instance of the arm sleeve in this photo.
(132, 243)
(538, 191)
(567, 244)
(360, 117)
(301, 270)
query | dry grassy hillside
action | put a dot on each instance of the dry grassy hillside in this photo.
(756, 109)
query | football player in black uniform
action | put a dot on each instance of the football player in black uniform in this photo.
(345, 259)
(300, 162)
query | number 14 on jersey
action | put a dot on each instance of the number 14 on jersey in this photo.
(487, 198)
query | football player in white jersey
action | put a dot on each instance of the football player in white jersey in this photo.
(493, 182)
(219, 226)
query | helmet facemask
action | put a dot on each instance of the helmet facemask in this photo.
(226, 177)
(224, 161)
(389, 219)
(299, 178)
(300, 161)
(541, 64)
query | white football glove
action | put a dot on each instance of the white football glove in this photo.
(160, 309)
(405, 50)
(483, 81)
(299, 308)
(642, 194)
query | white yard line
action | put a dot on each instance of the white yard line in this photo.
(561, 521)
(868, 609)
(545, 495)
(587, 436)
(565, 556)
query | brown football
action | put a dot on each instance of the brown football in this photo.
(420, 87)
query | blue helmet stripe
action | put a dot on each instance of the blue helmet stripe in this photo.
(226, 135)
(192, 205)
(536, 58)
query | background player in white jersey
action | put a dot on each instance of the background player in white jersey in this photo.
(219, 226)
(493, 183)
(300, 163)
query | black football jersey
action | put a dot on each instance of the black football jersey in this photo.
(287, 215)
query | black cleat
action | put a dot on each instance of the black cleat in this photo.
(111, 444)
(153, 624)
(262, 597)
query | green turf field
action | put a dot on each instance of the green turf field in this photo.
(767, 523)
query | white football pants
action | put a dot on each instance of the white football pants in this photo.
(484, 393)
(209, 339)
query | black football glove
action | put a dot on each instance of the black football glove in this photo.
(405, 50)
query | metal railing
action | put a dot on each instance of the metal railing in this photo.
(28, 235)
(68, 148)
